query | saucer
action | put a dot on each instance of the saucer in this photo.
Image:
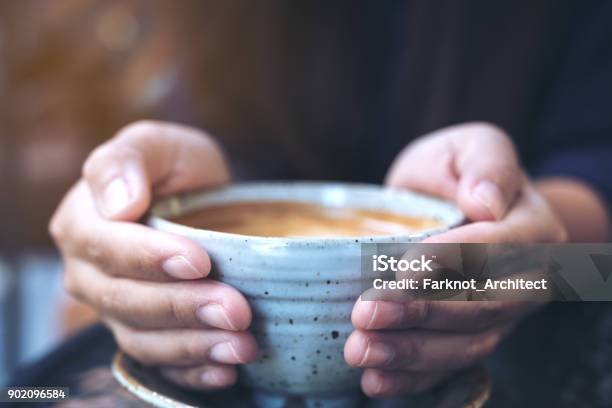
(470, 389)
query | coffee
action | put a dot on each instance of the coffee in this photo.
(298, 219)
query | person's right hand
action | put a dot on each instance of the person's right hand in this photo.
(148, 286)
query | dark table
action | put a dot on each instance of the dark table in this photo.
(559, 357)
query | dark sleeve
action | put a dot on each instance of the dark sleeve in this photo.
(575, 133)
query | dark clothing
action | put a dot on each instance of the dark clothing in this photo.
(560, 357)
(335, 91)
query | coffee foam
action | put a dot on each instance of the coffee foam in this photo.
(298, 219)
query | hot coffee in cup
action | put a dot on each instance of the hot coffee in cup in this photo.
(293, 249)
(300, 219)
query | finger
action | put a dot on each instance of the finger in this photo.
(206, 377)
(125, 249)
(426, 165)
(529, 220)
(184, 347)
(419, 350)
(438, 315)
(155, 305)
(475, 164)
(148, 154)
(490, 176)
(379, 383)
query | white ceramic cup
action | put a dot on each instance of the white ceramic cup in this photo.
(301, 290)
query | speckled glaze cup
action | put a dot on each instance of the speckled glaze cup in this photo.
(301, 290)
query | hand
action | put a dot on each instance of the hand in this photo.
(413, 345)
(148, 286)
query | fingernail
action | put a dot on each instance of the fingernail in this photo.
(377, 354)
(379, 383)
(215, 315)
(211, 377)
(116, 197)
(489, 195)
(372, 309)
(225, 353)
(179, 267)
(382, 314)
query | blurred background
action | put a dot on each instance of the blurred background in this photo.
(72, 72)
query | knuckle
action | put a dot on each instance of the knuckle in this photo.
(97, 156)
(138, 129)
(56, 227)
(92, 245)
(111, 298)
(489, 129)
(178, 313)
(495, 134)
(70, 283)
(59, 225)
(109, 156)
(192, 349)
(148, 260)
(208, 143)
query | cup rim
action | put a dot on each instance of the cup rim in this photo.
(159, 214)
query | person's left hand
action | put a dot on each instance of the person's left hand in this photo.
(411, 346)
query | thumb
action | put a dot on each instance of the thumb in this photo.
(148, 158)
(474, 164)
(488, 170)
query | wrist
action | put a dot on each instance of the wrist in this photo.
(583, 212)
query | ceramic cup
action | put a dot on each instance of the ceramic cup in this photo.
(301, 290)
